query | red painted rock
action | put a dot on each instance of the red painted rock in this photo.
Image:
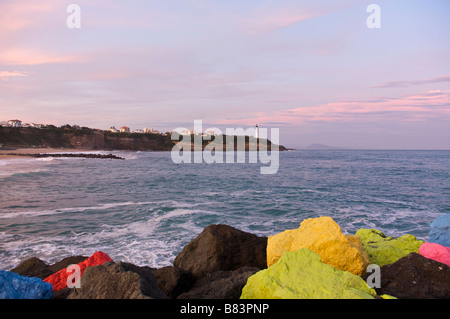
(436, 252)
(59, 279)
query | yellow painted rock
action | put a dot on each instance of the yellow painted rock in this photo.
(323, 236)
(384, 250)
(301, 275)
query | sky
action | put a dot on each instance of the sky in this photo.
(312, 69)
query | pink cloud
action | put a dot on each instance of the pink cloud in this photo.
(413, 107)
(394, 84)
(270, 21)
(13, 74)
(427, 105)
(22, 56)
(18, 15)
(271, 16)
(25, 29)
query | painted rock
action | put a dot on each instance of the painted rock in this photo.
(323, 236)
(59, 279)
(440, 231)
(383, 250)
(15, 286)
(436, 252)
(302, 275)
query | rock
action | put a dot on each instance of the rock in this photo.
(15, 286)
(220, 284)
(387, 297)
(35, 267)
(440, 231)
(173, 280)
(59, 279)
(221, 247)
(32, 267)
(415, 277)
(117, 281)
(301, 275)
(66, 262)
(384, 250)
(323, 236)
(436, 252)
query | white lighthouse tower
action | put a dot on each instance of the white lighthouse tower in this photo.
(257, 131)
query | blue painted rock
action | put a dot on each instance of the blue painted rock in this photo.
(440, 231)
(15, 286)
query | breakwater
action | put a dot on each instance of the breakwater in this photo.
(226, 263)
(82, 155)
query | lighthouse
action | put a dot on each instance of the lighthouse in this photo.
(256, 131)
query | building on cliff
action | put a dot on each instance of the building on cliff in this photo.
(15, 123)
(124, 129)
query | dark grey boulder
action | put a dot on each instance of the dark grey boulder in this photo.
(415, 277)
(117, 281)
(173, 280)
(222, 247)
(220, 284)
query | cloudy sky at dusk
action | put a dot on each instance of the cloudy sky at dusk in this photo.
(313, 69)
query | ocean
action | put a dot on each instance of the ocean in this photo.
(146, 208)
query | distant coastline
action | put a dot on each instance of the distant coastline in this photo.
(76, 139)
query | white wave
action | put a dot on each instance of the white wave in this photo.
(129, 155)
(145, 242)
(65, 210)
(170, 203)
(46, 159)
(18, 160)
(5, 174)
(22, 165)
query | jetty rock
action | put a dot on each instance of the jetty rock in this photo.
(15, 286)
(220, 284)
(302, 275)
(383, 250)
(415, 277)
(120, 280)
(59, 279)
(35, 267)
(222, 247)
(436, 252)
(440, 231)
(323, 236)
(173, 281)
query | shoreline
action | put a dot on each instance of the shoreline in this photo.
(20, 152)
(40, 152)
(31, 150)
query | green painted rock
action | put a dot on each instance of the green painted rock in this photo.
(302, 275)
(383, 250)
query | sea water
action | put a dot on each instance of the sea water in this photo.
(145, 209)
